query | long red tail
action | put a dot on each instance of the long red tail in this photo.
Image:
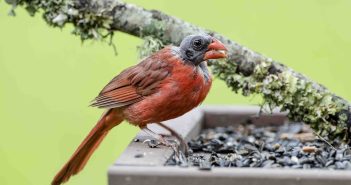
(87, 147)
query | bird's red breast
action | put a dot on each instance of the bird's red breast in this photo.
(159, 88)
(184, 88)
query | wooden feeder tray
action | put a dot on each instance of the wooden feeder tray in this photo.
(142, 165)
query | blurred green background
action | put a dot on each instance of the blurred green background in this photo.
(47, 77)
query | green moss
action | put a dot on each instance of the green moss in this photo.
(92, 19)
(284, 90)
(152, 42)
(153, 38)
(154, 29)
(149, 46)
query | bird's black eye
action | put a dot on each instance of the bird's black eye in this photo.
(198, 44)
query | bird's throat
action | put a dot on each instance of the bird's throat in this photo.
(205, 72)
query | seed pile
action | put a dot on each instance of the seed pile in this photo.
(289, 146)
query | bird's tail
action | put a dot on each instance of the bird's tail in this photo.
(81, 156)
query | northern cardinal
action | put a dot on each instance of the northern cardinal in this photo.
(165, 85)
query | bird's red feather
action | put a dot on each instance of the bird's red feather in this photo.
(159, 88)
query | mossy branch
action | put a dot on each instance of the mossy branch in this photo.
(244, 70)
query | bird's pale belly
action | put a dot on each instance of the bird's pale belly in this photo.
(174, 100)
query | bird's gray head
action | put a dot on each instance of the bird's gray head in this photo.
(198, 48)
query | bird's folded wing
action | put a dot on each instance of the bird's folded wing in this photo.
(133, 84)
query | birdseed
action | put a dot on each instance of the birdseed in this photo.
(248, 146)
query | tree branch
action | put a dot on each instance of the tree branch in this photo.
(244, 70)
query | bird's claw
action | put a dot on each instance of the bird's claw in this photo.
(152, 143)
(178, 145)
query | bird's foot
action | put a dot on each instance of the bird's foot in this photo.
(160, 139)
(178, 145)
(180, 157)
(182, 145)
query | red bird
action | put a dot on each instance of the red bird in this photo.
(163, 86)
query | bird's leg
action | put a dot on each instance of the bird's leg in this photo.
(183, 144)
(180, 154)
(159, 137)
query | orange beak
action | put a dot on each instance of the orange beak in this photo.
(215, 50)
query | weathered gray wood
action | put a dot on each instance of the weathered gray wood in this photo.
(139, 154)
(223, 176)
(225, 115)
(150, 169)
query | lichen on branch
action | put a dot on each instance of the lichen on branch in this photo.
(149, 46)
(280, 87)
(92, 19)
(245, 70)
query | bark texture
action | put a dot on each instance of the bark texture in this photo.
(244, 71)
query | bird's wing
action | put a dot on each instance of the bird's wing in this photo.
(133, 84)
